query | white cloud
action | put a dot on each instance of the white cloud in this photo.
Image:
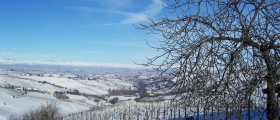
(153, 9)
(134, 18)
(95, 52)
(8, 54)
(9, 58)
(68, 63)
(115, 4)
(115, 7)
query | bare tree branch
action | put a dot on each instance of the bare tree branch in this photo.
(225, 51)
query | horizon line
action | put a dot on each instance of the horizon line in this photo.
(69, 63)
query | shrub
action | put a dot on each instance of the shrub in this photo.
(50, 111)
(114, 100)
(96, 100)
(60, 96)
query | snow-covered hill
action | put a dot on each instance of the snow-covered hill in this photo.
(15, 102)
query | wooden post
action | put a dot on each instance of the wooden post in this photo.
(138, 113)
(164, 114)
(179, 114)
(226, 111)
(204, 112)
(197, 114)
(124, 115)
(186, 113)
(152, 110)
(158, 114)
(114, 114)
(174, 113)
(147, 116)
(129, 113)
(171, 113)
(249, 108)
(212, 113)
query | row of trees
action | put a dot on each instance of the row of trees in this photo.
(122, 92)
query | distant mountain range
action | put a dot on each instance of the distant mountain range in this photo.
(7, 61)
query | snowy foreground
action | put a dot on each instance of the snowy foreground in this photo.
(162, 111)
(16, 106)
(15, 101)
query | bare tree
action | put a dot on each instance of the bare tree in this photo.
(220, 51)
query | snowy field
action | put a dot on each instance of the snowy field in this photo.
(97, 87)
(10, 105)
(15, 102)
(154, 111)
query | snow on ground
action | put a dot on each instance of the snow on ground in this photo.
(143, 77)
(104, 85)
(13, 102)
(120, 82)
(2, 81)
(98, 87)
(123, 98)
(28, 83)
(69, 84)
(69, 75)
(109, 76)
(80, 99)
(16, 106)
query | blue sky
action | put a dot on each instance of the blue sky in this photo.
(76, 32)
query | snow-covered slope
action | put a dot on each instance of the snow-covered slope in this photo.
(20, 103)
(56, 83)
(15, 102)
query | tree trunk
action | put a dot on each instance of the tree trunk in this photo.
(272, 107)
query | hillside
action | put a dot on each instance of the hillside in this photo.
(21, 91)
